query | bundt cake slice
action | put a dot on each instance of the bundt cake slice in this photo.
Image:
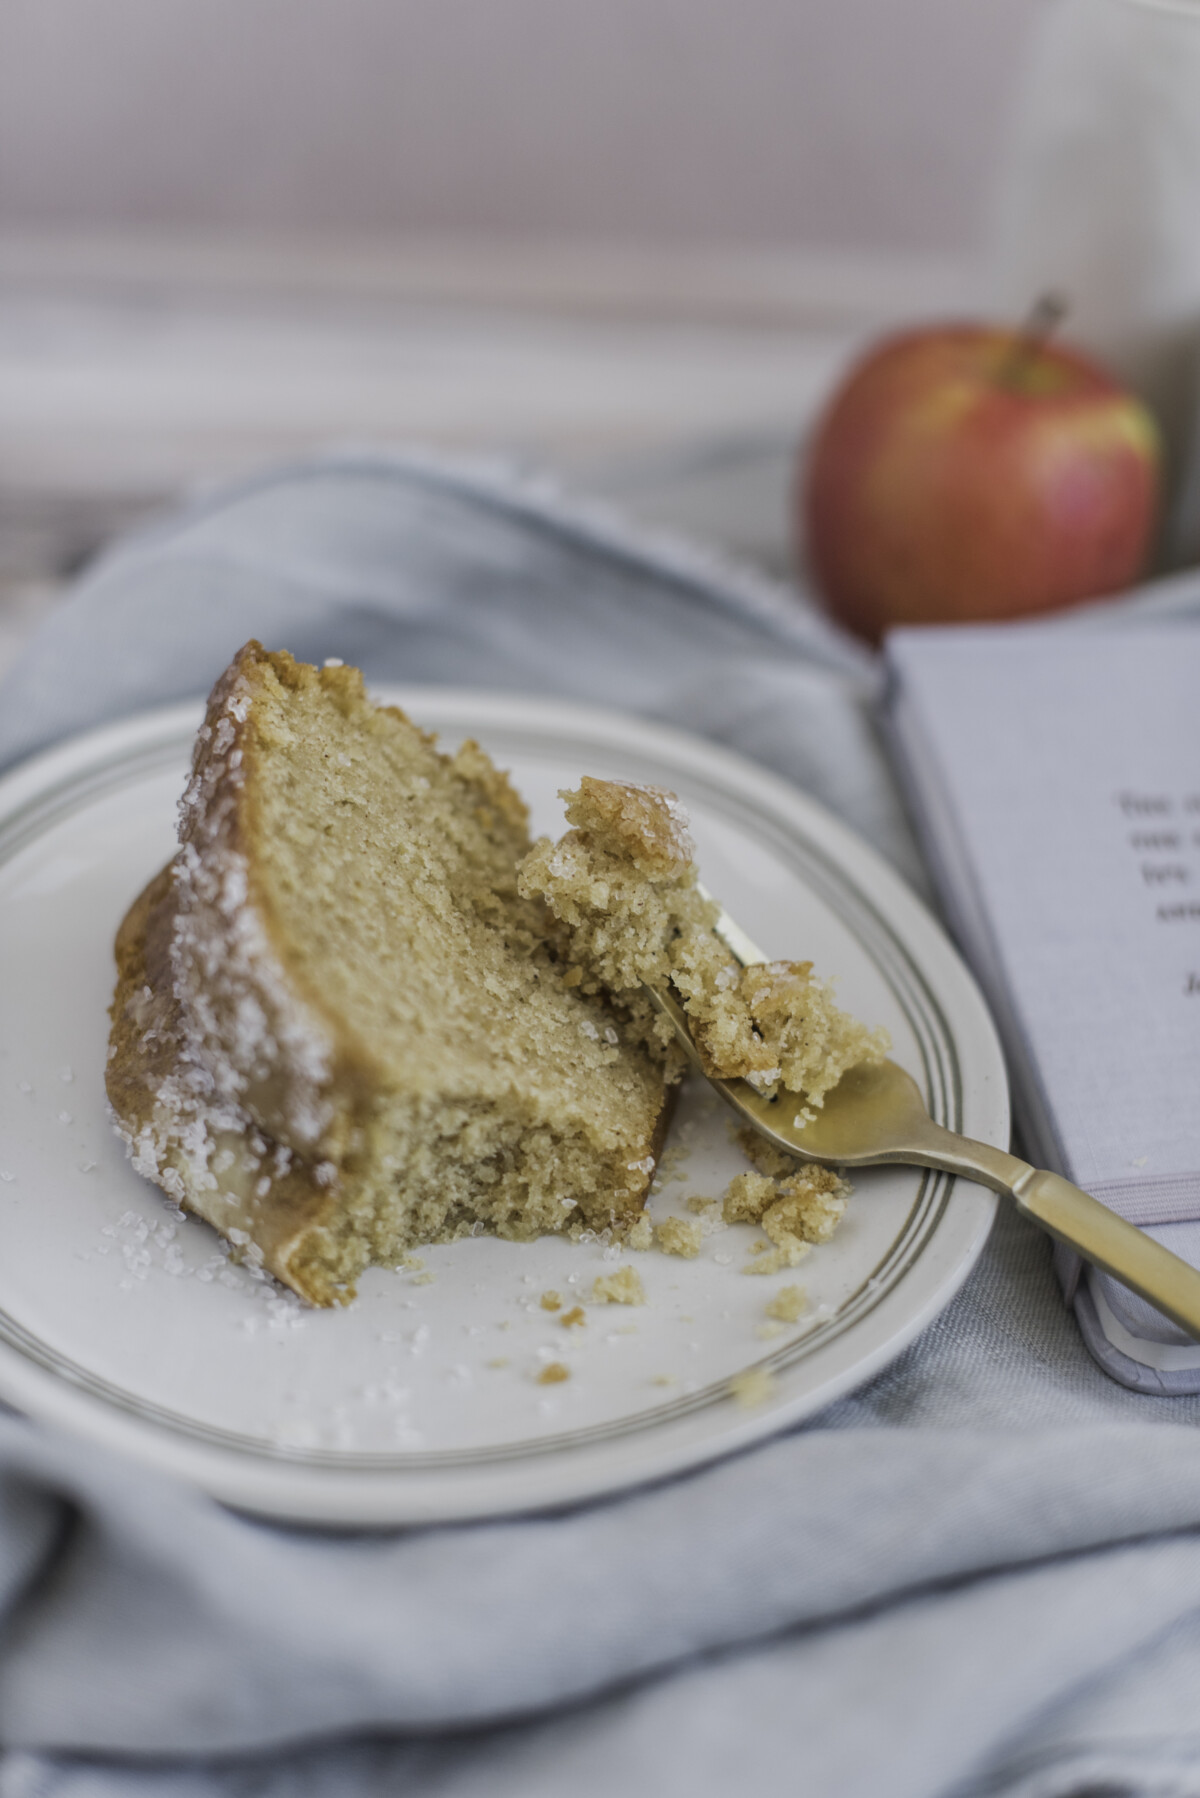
(340, 1030)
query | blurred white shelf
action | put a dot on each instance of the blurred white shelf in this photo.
(134, 369)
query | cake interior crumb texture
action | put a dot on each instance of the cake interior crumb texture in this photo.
(676, 1236)
(360, 1011)
(339, 1029)
(624, 1287)
(788, 1305)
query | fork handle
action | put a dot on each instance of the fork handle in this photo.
(1071, 1215)
(1121, 1249)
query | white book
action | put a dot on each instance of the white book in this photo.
(1053, 773)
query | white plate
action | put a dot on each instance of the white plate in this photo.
(132, 1330)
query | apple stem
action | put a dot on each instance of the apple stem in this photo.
(1044, 318)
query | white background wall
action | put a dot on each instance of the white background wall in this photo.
(843, 123)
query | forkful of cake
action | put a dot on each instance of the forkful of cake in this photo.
(875, 1115)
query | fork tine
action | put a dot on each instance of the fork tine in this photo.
(749, 1106)
(739, 945)
(667, 1003)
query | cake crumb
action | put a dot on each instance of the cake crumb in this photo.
(425, 1279)
(675, 1236)
(805, 1207)
(641, 1236)
(553, 1374)
(768, 1331)
(747, 1197)
(810, 1206)
(621, 1288)
(573, 1318)
(551, 1301)
(498, 1361)
(751, 1388)
(790, 1253)
(701, 1207)
(788, 1304)
(762, 1154)
(664, 1379)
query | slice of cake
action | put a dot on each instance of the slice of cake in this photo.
(622, 884)
(359, 1012)
(340, 1029)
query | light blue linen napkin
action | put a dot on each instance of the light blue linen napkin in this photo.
(978, 1575)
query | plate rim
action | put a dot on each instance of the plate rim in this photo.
(81, 766)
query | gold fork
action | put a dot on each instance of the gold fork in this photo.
(876, 1115)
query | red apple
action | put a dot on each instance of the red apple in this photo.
(964, 472)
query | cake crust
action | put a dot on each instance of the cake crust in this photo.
(153, 1090)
